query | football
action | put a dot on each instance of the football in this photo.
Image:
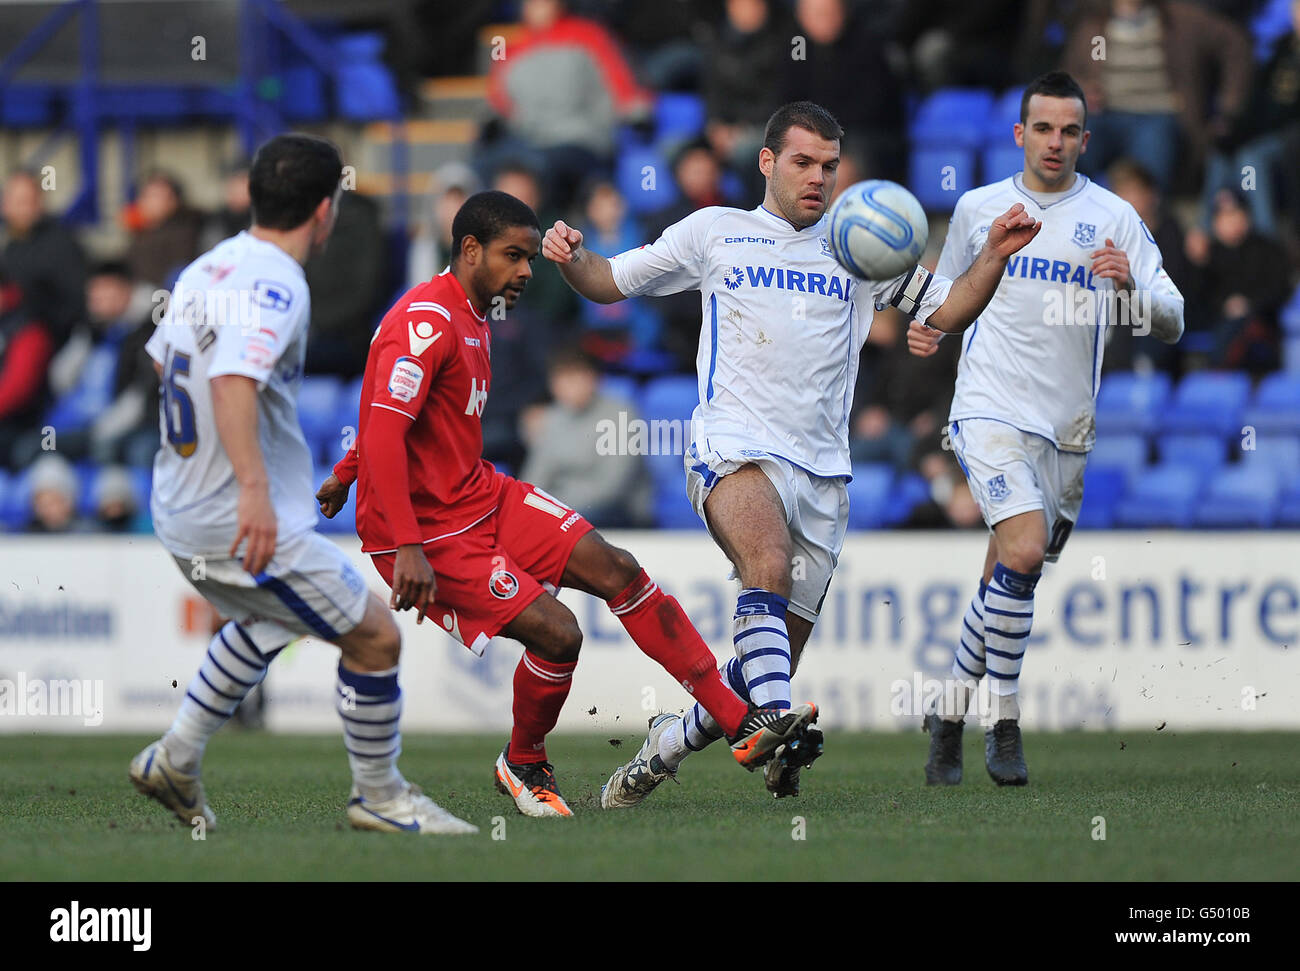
(877, 229)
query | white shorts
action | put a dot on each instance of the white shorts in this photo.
(1011, 472)
(310, 588)
(816, 509)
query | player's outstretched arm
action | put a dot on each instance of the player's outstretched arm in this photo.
(587, 272)
(972, 291)
(234, 409)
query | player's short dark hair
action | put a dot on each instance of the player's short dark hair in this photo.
(486, 216)
(1053, 84)
(289, 177)
(799, 114)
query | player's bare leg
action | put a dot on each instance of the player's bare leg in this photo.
(659, 626)
(552, 640)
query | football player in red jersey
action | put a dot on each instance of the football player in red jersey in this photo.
(482, 553)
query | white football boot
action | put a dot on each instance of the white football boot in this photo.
(153, 774)
(532, 787)
(410, 811)
(634, 780)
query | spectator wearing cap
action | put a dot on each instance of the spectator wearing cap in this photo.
(1242, 281)
(576, 454)
(430, 249)
(117, 508)
(54, 490)
(43, 257)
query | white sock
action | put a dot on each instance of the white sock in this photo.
(763, 645)
(371, 708)
(231, 669)
(967, 663)
(1008, 619)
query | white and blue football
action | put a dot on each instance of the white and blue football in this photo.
(877, 229)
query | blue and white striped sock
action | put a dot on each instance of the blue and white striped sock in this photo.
(371, 708)
(697, 729)
(763, 646)
(1008, 618)
(968, 661)
(232, 668)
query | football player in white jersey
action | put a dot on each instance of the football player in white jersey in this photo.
(783, 325)
(233, 500)
(1022, 418)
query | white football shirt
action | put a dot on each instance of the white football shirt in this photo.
(1033, 358)
(783, 326)
(241, 308)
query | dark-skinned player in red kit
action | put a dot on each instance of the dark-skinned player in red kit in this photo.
(483, 553)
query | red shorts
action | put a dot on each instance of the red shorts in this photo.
(491, 571)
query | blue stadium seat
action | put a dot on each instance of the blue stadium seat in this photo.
(679, 116)
(952, 116)
(1163, 495)
(1102, 488)
(1281, 453)
(1200, 450)
(1001, 120)
(1272, 21)
(318, 408)
(1126, 453)
(620, 386)
(27, 106)
(1290, 314)
(671, 396)
(1129, 402)
(1288, 510)
(1276, 405)
(366, 89)
(1001, 162)
(86, 472)
(909, 492)
(1291, 354)
(1208, 401)
(1241, 496)
(937, 176)
(645, 179)
(869, 493)
(672, 510)
(8, 518)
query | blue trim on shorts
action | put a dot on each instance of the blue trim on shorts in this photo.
(295, 603)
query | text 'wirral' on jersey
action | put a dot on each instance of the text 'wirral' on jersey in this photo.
(430, 360)
(1033, 358)
(783, 325)
(242, 308)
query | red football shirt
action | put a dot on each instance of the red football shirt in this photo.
(426, 383)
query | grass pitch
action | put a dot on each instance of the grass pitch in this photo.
(1176, 807)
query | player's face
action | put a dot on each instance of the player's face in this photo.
(506, 264)
(801, 180)
(1053, 138)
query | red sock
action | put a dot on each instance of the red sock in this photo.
(665, 634)
(540, 689)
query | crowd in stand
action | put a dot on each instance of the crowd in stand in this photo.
(1193, 121)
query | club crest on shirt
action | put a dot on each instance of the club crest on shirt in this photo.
(406, 379)
(998, 488)
(1085, 234)
(503, 584)
(826, 247)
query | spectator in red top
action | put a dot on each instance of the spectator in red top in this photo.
(560, 90)
(25, 351)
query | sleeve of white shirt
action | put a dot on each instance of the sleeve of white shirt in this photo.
(672, 263)
(1146, 265)
(955, 258)
(254, 345)
(917, 293)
